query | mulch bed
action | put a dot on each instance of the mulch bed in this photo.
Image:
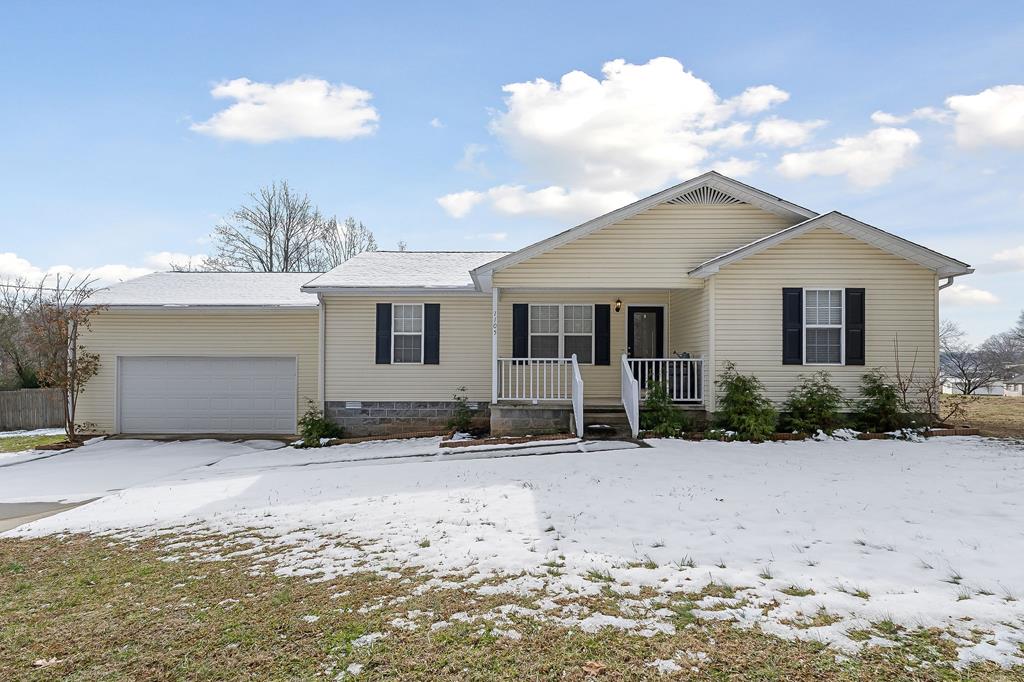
(394, 436)
(62, 445)
(448, 443)
(932, 433)
(959, 431)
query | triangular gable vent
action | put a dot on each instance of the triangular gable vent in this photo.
(705, 196)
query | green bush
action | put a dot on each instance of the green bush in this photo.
(815, 405)
(880, 409)
(659, 416)
(462, 416)
(743, 407)
(314, 425)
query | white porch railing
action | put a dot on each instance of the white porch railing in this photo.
(534, 380)
(577, 396)
(683, 377)
(630, 397)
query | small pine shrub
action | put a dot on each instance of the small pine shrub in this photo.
(743, 407)
(314, 425)
(462, 416)
(880, 408)
(659, 416)
(815, 405)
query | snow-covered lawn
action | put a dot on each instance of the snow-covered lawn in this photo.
(912, 534)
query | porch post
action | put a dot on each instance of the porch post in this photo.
(494, 344)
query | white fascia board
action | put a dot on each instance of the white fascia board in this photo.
(898, 246)
(395, 291)
(205, 306)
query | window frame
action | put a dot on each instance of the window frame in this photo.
(841, 326)
(420, 333)
(561, 334)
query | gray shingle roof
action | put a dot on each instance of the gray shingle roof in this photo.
(189, 289)
(406, 269)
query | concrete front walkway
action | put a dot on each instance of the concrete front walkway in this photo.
(14, 515)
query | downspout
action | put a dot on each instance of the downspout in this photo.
(322, 378)
(948, 282)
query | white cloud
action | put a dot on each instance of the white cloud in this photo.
(164, 260)
(1010, 259)
(436, 123)
(556, 201)
(459, 204)
(867, 161)
(757, 99)
(992, 117)
(14, 267)
(304, 107)
(734, 167)
(470, 161)
(782, 132)
(965, 295)
(635, 129)
(921, 114)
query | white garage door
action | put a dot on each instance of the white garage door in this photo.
(206, 395)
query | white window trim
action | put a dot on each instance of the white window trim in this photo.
(841, 326)
(561, 331)
(423, 324)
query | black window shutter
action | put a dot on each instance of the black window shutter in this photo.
(431, 333)
(520, 330)
(383, 333)
(602, 334)
(855, 326)
(792, 326)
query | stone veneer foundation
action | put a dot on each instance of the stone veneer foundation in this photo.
(529, 420)
(395, 417)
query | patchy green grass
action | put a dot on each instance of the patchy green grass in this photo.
(21, 443)
(797, 591)
(90, 609)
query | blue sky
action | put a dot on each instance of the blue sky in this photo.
(114, 147)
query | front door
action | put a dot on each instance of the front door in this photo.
(646, 332)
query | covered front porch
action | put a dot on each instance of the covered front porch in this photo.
(596, 349)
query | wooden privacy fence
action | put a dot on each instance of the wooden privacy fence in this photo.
(31, 408)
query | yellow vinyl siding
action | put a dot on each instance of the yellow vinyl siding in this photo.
(269, 332)
(900, 298)
(688, 322)
(350, 341)
(601, 383)
(654, 249)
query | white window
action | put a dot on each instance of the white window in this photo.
(558, 331)
(823, 326)
(407, 333)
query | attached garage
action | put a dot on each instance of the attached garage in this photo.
(203, 353)
(207, 395)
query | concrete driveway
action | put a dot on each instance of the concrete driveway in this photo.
(14, 515)
(92, 471)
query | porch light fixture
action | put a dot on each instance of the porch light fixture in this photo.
(618, 304)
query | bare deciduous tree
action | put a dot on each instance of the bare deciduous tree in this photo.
(1003, 353)
(967, 367)
(61, 313)
(346, 241)
(280, 230)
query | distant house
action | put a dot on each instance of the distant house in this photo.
(1015, 386)
(672, 288)
(952, 386)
